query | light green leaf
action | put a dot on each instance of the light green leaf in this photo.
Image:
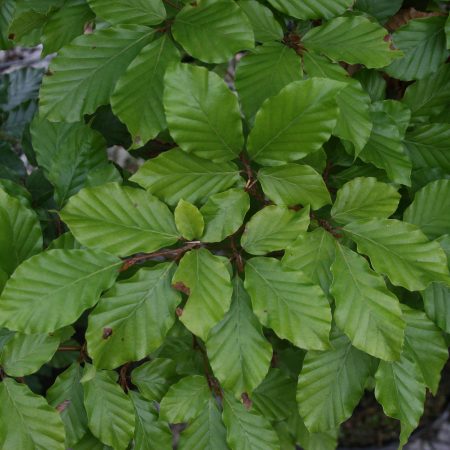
(293, 184)
(137, 314)
(436, 299)
(430, 210)
(120, 220)
(313, 254)
(185, 400)
(67, 394)
(202, 113)
(312, 9)
(224, 213)
(27, 422)
(85, 72)
(289, 303)
(239, 353)
(423, 44)
(273, 228)
(206, 431)
(64, 284)
(138, 96)
(331, 384)
(363, 199)
(380, 9)
(174, 175)
(353, 39)
(366, 311)
(247, 429)
(213, 31)
(20, 233)
(264, 72)
(295, 122)
(401, 251)
(205, 278)
(189, 220)
(140, 12)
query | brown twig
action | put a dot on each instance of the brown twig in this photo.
(123, 377)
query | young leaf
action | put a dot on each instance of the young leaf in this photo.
(289, 303)
(65, 283)
(189, 220)
(133, 318)
(238, 352)
(312, 9)
(205, 278)
(202, 113)
(120, 220)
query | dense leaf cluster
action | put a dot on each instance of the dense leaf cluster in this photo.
(283, 247)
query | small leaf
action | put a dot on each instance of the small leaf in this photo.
(189, 220)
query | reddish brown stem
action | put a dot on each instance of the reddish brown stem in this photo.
(70, 348)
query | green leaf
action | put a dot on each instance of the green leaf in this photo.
(85, 72)
(273, 228)
(282, 301)
(293, 184)
(26, 27)
(7, 9)
(264, 72)
(353, 39)
(247, 429)
(205, 278)
(238, 352)
(65, 283)
(423, 44)
(120, 220)
(264, 24)
(153, 378)
(89, 442)
(397, 111)
(380, 9)
(331, 384)
(401, 251)
(363, 199)
(202, 113)
(312, 9)
(65, 242)
(174, 175)
(366, 311)
(316, 441)
(206, 431)
(138, 96)
(150, 433)
(195, 24)
(27, 422)
(140, 12)
(436, 299)
(224, 213)
(295, 122)
(185, 400)
(67, 394)
(132, 319)
(189, 220)
(430, 210)
(312, 253)
(20, 233)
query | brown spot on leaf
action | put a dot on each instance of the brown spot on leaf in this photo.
(107, 332)
(179, 312)
(246, 400)
(63, 406)
(180, 286)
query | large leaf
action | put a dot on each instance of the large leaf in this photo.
(85, 72)
(295, 122)
(430, 210)
(363, 199)
(331, 383)
(137, 314)
(353, 39)
(289, 303)
(27, 422)
(110, 411)
(401, 251)
(174, 175)
(205, 278)
(237, 349)
(202, 113)
(213, 31)
(312, 9)
(273, 228)
(120, 220)
(64, 284)
(138, 96)
(293, 184)
(20, 233)
(189, 220)
(366, 311)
